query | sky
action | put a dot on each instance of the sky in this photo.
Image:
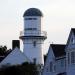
(58, 19)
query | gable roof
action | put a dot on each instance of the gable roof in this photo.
(17, 55)
(71, 34)
(58, 49)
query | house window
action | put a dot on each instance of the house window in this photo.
(68, 58)
(34, 60)
(72, 57)
(62, 62)
(73, 40)
(54, 67)
(47, 69)
(51, 66)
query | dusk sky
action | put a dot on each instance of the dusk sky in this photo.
(58, 19)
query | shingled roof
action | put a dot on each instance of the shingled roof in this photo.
(58, 49)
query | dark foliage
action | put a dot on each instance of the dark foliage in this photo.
(24, 69)
(3, 50)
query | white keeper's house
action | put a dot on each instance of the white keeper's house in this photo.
(61, 58)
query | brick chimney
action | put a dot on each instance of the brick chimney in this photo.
(15, 43)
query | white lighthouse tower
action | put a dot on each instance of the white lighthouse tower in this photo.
(33, 36)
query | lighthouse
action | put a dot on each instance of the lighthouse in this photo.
(32, 35)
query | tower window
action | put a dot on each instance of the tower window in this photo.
(34, 43)
(30, 28)
(30, 18)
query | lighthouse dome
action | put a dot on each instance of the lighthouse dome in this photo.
(33, 12)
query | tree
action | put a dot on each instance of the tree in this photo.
(24, 69)
(3, 50)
